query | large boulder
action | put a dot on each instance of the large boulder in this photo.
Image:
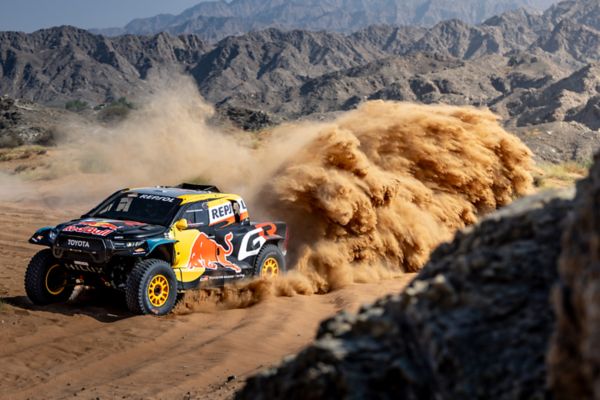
(475, 323)
(574, 358)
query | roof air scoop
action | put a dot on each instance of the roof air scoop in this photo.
(204, 188)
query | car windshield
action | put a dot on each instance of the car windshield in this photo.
(146, 208)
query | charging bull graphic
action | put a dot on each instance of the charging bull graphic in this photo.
(207, 253)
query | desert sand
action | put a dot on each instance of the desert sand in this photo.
(93, 348)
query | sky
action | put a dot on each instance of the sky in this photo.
(30, 15)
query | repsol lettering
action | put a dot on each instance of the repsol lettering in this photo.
(220, 213)
(157, 198)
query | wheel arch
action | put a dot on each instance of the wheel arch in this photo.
(162, 252)
(275, 240)
(161, 249)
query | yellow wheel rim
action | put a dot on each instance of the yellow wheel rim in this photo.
(158, 291)
(55, 280)
(270, 268)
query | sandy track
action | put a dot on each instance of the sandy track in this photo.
(94, 349)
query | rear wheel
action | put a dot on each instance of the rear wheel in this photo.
(151, 288)
(46, 281)
(270, 262)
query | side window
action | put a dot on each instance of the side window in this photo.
(197, 215)
(242, 211)
(236, 210)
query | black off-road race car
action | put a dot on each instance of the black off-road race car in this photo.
(153, 243)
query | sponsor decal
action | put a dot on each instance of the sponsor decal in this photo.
(78, 243)
(207, 253)
(220, 213)
(157, 198)
(269, 229)
(133, 223)
(243, 210)
(250, 248)
(243, 207)
(214, 278)
(92, 228)
(253, 241)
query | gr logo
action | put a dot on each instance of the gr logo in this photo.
(251, 243)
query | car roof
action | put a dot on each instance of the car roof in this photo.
(186, 195)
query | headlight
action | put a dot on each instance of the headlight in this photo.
(127, 245)
(52, 235)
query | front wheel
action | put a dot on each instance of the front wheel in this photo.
(151, 288)
(46, 280)
(270, 262)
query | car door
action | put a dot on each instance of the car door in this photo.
(230, 231)
(196, 251)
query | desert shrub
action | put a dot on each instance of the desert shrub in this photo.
(21, 153)
(76, 105)
(116, 111)
(560, 175)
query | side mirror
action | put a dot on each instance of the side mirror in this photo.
(182, 224)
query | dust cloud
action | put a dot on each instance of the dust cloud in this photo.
(366, 196)
(166, 140)
(373, 192)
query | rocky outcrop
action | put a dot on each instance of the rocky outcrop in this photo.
(574, 359)
(560, 101)
(475, 323)
(23, 123)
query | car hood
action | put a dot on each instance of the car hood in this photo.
(110, 228)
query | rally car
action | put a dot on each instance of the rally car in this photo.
(153, 243)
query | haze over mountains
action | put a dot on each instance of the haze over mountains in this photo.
(217, 19)
(537, 71)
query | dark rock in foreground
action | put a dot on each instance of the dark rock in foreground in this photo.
(574, 359)
(475, 323)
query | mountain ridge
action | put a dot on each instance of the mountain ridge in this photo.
(214, 20)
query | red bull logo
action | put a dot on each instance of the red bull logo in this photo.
(100, 224)
(96, 228)
(206, 253)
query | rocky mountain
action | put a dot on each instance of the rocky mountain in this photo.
(215, 20)
(537, 71)
(55, 65)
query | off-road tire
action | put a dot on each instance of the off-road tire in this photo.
(269, 251)
(37, 275)
(138, 283)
